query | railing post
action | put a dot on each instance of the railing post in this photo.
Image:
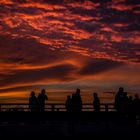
(53, 108)
(106, 107)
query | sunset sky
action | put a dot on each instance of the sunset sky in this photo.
(65, 44)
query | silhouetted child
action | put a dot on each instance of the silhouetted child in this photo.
(68, 104)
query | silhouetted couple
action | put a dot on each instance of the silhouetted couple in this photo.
(38, 103)
(74, 103)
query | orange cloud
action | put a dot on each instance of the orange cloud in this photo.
(120, 25)
(40, 5)
(122, 7)
(6, 2)
(100, 55)
(12, 22)
(77, 49)
(107, 29)
(78, 34)
(86, 5)
(116, 38)
(134, 39)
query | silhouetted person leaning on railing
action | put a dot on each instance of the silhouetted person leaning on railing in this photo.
(41, 100)
(33, 102)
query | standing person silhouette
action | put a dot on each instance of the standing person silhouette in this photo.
(33, 103)
(119, 100)
(68, 104)
(77, 101)
(41, 99)
(96, 102)
(96, 106)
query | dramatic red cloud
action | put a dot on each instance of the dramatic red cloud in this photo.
(121, 7)
(68, 44)
(83, 51)
(116, 38)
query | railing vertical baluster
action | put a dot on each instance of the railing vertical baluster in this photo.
(53, 109)
(106, 107)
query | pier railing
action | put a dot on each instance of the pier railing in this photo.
(105, 107)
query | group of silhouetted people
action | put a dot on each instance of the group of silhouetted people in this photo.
(37, 103)
(126, 105)
(74, 102)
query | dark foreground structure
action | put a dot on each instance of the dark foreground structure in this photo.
(57, 122)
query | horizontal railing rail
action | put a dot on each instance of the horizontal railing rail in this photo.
(54, 107)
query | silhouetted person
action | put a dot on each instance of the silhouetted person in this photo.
(68, 104)
(41, 99)
(33, 102)
(96, 102)
(119, 100)
(77, 101)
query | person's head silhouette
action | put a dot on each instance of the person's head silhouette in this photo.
(121, 89)
(94, 94)
(43, 91)
(78, 90)
(32, 93)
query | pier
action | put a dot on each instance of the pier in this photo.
(17, 120)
